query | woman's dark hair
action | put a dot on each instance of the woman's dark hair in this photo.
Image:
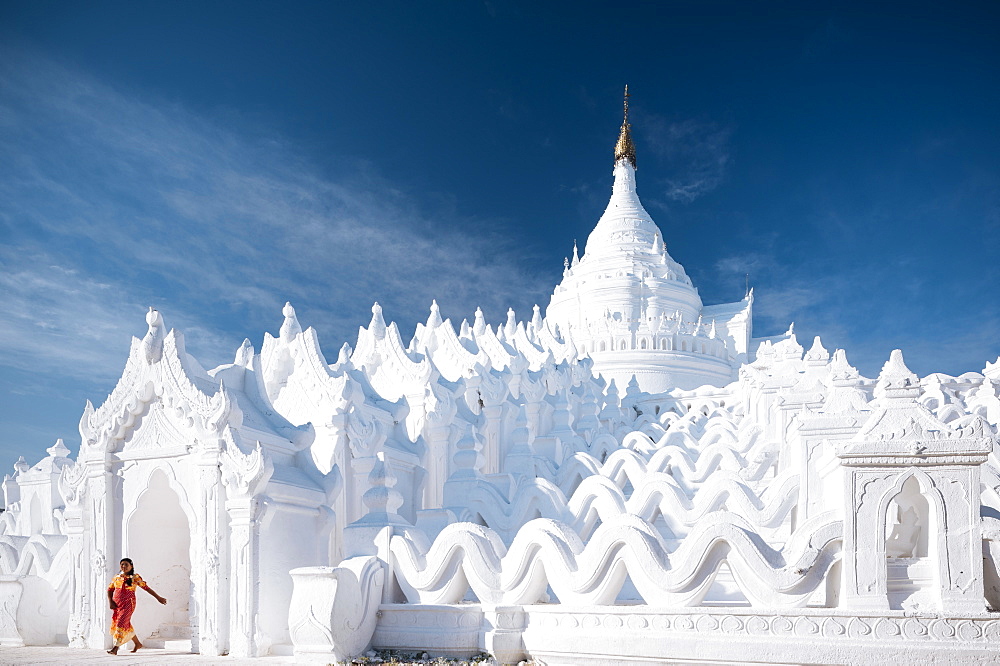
(128, 577)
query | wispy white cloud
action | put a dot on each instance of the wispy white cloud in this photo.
(57, 321)
(697, 154)
(868, 308)
(784, 293)
(113, 202)
(752, 263)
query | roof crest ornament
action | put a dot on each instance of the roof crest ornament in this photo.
(290, 327)
(625, 149)
(152, 342)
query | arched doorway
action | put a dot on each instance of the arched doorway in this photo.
(158, 539)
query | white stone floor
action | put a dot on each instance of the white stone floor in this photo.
(59, 654)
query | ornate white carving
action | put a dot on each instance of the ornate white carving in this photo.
(364, 433)
(72, 483)
(245, 475)
(10, 599)
(334, 610)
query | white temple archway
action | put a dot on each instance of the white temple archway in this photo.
(158, 539)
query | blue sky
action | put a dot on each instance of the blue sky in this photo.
(217, 159)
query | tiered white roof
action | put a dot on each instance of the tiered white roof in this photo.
(632, 307)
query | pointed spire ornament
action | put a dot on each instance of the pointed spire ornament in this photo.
(382, 499)
(468, 456)
(244, 355)
(817, 353)
(58, 450)
(511, 328)
(290, 327)
(434, 319)
(576, 254)
(840, 370)
(536, 318)
(611, 395)
(625, 149)
(519, 457)
(632, 395)
(479, 324)
(896, 380)
(344, 355)
(152, 342)
(377, 325)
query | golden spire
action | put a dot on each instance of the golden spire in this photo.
(625, 149)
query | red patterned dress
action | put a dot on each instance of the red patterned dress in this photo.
(124, 598)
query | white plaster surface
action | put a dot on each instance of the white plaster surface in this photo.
(685, 492)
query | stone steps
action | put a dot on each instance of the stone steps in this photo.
(173, 645)
(170, 636)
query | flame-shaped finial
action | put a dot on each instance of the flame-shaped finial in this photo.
(625, 149)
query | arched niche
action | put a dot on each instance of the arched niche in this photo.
(912, 531)
(157, 537)
(34, 515)
(907, 522)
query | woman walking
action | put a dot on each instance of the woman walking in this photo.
(121, 598)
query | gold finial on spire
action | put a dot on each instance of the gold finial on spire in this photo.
(625, 149)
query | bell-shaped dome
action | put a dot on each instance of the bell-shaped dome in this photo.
(625, 225)
(633, 309)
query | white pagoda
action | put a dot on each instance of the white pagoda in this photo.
(622, 481)
(633, 309)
